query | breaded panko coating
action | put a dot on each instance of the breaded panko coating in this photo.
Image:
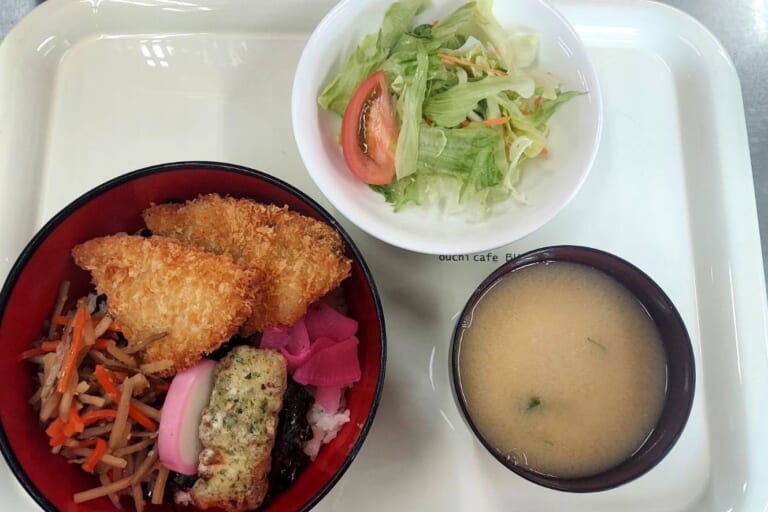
(303, 258)
(158, 285)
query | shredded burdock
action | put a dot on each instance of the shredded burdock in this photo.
(98, 406)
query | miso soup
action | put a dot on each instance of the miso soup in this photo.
(562, 369)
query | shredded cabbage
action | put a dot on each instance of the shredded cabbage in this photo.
(470, 109)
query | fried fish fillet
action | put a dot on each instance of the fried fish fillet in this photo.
(303, 258)
(238, 430)
(158, 285)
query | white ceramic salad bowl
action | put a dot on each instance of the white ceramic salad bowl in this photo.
(548, 182)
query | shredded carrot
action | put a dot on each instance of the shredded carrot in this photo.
(87, 443)
(464, 123)
(116, 326)
(74, 423)
(63, 319)
(29, 354)
(497, 121)
(434, 23)
(50, 346)
(544, 152)
(119, 376)
(58, 439)
(92, 417)
(91, 390)
(60, 431)
(70, 360)
(96, 455)
(141, 418)
(105, 381)
(524, 111)
(56, 432)
(101, 344)
(60, 319)
(537, 101)
(450, 59)
(44, 348)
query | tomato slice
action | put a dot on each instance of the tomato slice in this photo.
(369, 132)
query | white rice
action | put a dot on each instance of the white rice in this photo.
(325, 427)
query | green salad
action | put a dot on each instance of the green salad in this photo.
(445, 113)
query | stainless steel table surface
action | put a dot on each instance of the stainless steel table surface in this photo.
(742, 27)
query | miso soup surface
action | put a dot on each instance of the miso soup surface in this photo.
(562, 369)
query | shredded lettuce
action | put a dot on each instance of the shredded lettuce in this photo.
(487, 30)
(369, 55)
(451, 107)
(471, 107)
(475, 154)
(547, 108)
(409, 109)
(448, 33)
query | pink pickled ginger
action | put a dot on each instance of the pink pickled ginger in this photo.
(294, 339)
(322, 320)
(295, 361)
(321, 351)
(328, 397)
(336, 365)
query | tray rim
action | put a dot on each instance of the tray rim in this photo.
(746, 264)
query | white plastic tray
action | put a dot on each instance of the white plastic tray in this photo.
(92, 89)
